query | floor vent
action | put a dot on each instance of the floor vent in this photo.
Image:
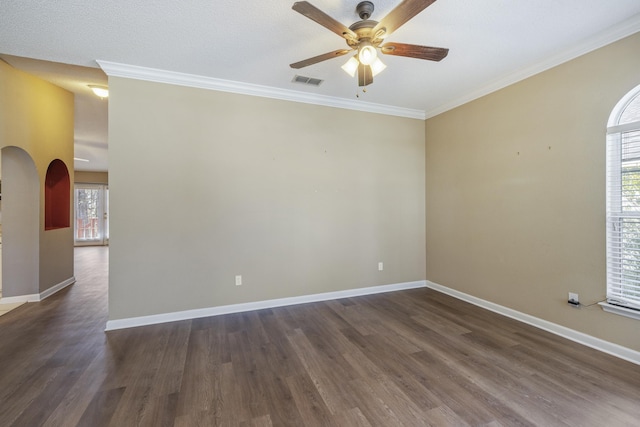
(307, 80)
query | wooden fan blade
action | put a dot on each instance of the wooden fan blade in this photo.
(319, 58)
(415, 51)
(315, 14)
(365, 76)
(406, 10)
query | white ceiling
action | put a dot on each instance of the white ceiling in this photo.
(492, 43)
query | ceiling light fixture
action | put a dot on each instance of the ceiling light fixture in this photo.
(377, 66)
(101, 91)
(351, 66)
(367, 53)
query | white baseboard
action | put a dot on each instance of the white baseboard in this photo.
(258, 305)
(42, 295)
(571, 334)
(60, 286)
(20, 298)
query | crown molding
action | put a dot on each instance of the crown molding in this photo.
(611, 35)
(114, 69)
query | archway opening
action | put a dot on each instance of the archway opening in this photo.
(20, 223)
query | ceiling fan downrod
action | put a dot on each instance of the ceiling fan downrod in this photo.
(364, 9)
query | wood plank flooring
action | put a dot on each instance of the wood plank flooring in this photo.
(408, 358)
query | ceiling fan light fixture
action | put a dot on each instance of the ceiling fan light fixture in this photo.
(367, 53)
(366, 36)
(377, 66)
(101, 91)
(351, 66)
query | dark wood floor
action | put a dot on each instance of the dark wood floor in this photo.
(400, 359)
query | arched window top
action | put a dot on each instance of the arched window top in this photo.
(627, 110)
(631, 113)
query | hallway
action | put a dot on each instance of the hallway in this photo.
(52, 352)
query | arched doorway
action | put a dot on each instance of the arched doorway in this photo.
(20, 223)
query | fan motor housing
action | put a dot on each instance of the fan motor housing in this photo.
(364, 31)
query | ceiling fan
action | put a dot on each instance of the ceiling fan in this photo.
(366, 38)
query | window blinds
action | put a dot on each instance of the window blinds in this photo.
(623, 215)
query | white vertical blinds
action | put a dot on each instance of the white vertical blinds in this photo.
(623, 208)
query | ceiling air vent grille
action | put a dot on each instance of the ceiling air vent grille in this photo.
(307, 80)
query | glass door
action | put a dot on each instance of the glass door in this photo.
(91, 214)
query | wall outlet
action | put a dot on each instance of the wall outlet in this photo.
(238, 280)
(573, 298)
(380, 266)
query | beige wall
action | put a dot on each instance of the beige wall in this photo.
(515, 192)
(296, 198)
(87, 177)
(37, 118)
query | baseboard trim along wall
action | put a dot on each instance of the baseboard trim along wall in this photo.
(42, 295)
(20, 298)
(571, 334)
(57, 288)
(258, 305)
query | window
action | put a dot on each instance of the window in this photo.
(623, 207)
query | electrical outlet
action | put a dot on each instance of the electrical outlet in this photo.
(380, 266)
(573, 298)
(238, 280)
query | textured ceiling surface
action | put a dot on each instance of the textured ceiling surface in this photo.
(254, 41)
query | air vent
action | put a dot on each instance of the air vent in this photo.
(307, 80)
